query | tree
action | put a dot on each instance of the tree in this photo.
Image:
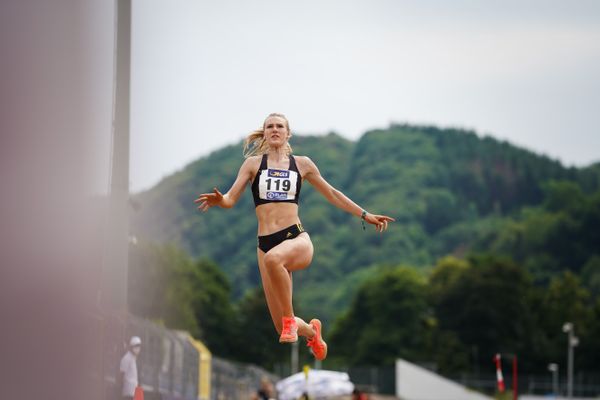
(387, 319)
(159, 288)
(442, 185)
(213, 308)
(166, 285)
(257, 339)
(446, 349)
(560, 234)
(590, 345)
(565, 301)
(446, 273)
(487, 305)
(590, 275)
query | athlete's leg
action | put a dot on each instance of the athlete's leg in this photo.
(279, 262)
(304, 329)
(272, 302)
(293, 254)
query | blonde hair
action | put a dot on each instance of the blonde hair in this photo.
(255, 143)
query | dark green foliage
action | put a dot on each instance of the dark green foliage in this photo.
(451, 192)
(167, 286)
(257, 337)
(486, 304)
(565, 300)
(466, 312)
(448, 189)
(387, 320)
(590, 275)
(561, 234)
(589, 344)
(213, 309)
(159, 286)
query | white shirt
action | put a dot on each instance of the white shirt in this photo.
(130, 378)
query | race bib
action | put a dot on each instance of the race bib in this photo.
(277, 184)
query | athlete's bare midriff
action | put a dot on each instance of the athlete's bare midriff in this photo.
(273, 217)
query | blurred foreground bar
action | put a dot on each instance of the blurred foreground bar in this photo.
(51, 239)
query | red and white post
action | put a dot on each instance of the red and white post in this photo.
(499, 377)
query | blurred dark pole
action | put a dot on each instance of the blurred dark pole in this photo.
(114, 269)
(113, 291)
(515, 377)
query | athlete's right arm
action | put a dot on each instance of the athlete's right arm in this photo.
(229, 199)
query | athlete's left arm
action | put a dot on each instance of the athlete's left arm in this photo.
(337, 198)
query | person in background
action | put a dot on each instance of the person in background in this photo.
(358, 395)
(266, 390)
(128, 374)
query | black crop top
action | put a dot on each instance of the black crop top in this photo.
(276, 185)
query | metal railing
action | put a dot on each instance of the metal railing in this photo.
(170, 366)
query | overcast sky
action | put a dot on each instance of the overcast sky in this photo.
(204, 74)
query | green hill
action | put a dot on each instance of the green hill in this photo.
(447, 189)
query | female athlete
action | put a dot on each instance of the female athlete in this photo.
(276, 177)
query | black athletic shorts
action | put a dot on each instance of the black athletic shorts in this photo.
(267, 242)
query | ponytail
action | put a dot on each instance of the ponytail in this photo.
(255, 144)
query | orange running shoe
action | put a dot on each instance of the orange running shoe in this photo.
(316, 343)
(289, 333)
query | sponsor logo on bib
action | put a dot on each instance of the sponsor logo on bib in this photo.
(276, 173)
(276, 196)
